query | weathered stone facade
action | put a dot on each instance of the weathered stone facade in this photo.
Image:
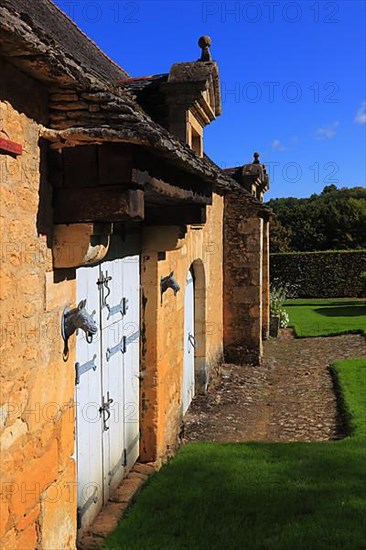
(246, 266)
(162, 326)
(37, 420)
(243, 275)
(93, 163)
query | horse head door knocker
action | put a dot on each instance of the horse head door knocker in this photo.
(168, 282)
(74, 319)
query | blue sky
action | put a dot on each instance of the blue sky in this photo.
(292, 75)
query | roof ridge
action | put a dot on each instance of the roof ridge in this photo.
(146, 77)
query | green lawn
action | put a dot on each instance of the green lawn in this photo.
(259, 496)
(326, 317)
(351, 375)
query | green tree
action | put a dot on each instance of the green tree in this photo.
(280, 236)
(334, 219)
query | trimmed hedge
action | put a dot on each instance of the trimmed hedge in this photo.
(333, 274)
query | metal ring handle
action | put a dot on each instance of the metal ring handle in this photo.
(192, 340)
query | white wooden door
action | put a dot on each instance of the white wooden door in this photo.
(89, 425)
(131, 288)
(189, 344)
(112, 338)
(107, 448)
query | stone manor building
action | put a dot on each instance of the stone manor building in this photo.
(131, 267)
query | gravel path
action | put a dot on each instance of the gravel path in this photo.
(289, 398)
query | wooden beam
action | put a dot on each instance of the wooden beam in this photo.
(98, 204)
(157, 187)
(176, 174)
(191, 214)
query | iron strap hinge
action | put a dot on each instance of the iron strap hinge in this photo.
(128, 450)
(93, 499)
(121, 308)
(85, 367)
(123, 460)
(119, 347)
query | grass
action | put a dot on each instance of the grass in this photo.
(351, 378)
(327, 317)
(259, 496)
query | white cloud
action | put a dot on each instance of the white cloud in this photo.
(360, 116)
(327, 132)
(278, 146)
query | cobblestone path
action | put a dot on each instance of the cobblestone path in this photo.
(289, 398)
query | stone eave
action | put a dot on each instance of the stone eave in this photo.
(203, 111)
(162, 145)
(159, 142)
(197, 75)
(44, 42)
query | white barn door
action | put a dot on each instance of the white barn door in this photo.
(131, 385)
(189, 344)
(108, 447)
(89, 425)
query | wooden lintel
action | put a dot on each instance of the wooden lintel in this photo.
(97, 204)
(166, 190)
(191, 214)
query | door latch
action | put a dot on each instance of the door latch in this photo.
(103, 282)
(104, 410)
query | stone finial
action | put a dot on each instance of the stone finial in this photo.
(256, 158)
(205, 42)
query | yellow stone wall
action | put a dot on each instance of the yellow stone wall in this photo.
(38, 502)
(243, 280)
(37, 418)
(163, 323)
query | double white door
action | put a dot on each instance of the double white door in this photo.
(107, 377)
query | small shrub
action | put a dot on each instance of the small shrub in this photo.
(279, 294)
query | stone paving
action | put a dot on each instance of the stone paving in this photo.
(289, 398)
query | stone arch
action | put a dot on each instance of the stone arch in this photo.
(200, 365)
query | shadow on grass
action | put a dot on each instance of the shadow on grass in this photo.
(344, 417)
(259, 496)
(255, 496)
(342, 311)
(308, 302)
(322, 330)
